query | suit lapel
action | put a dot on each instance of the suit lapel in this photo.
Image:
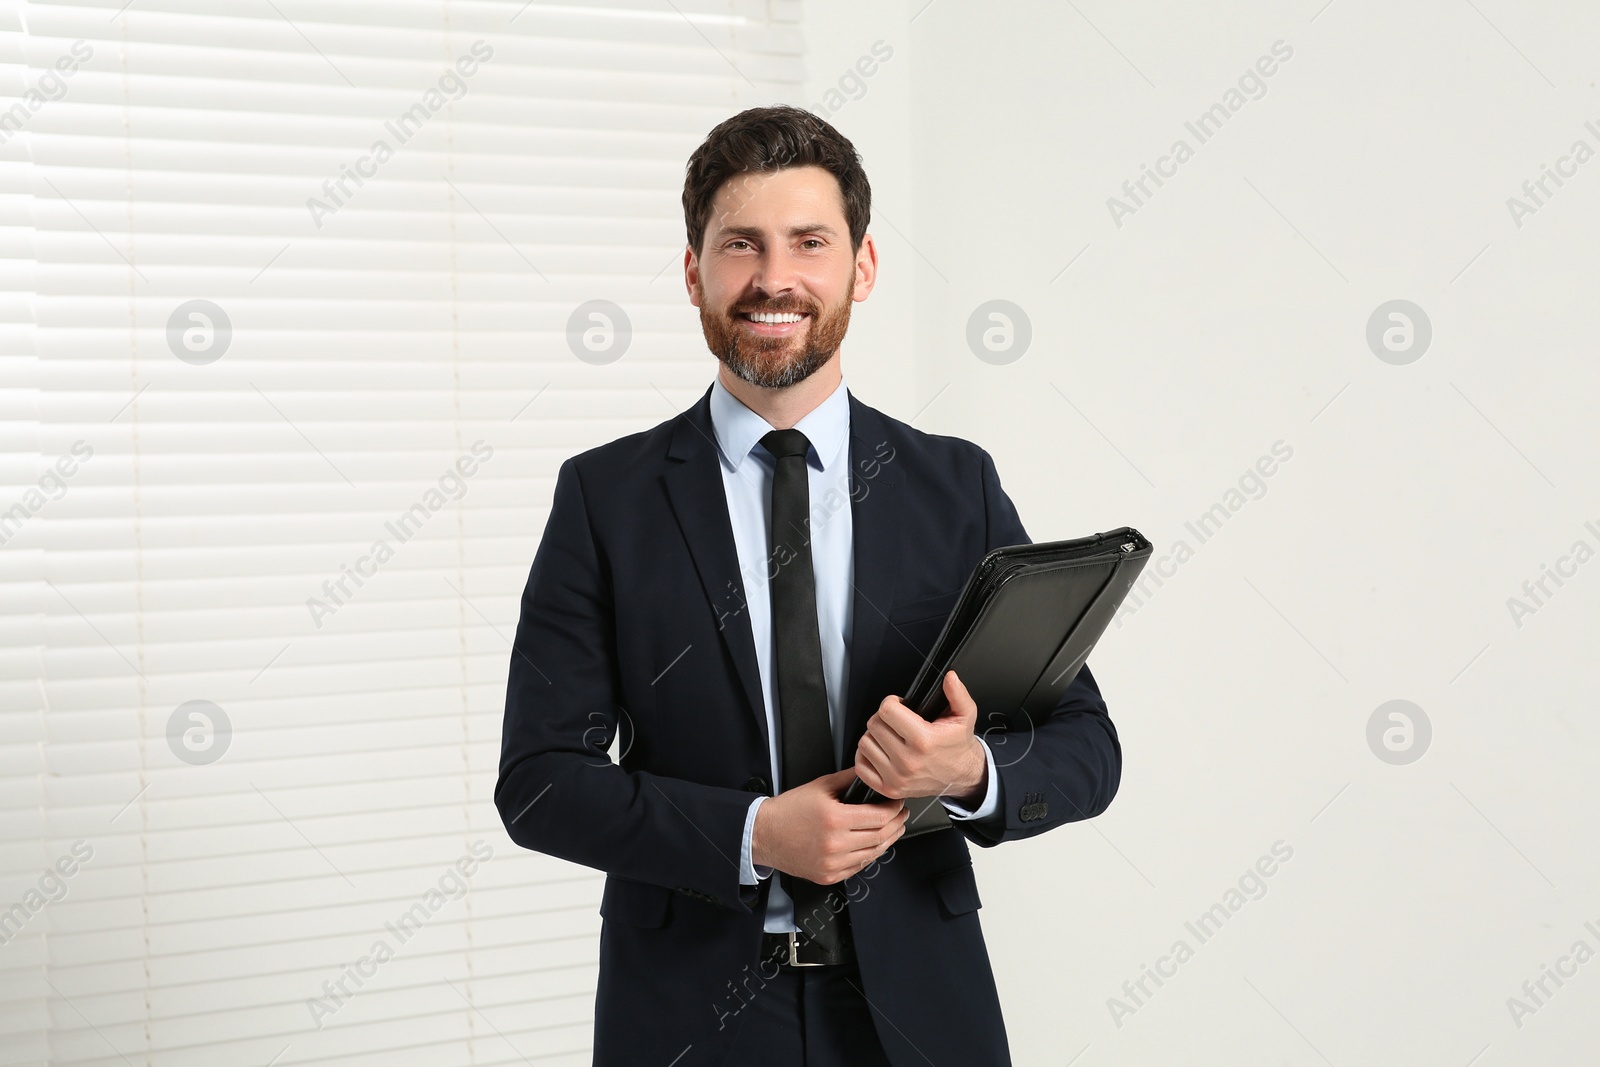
(877, 540)
(700, 505)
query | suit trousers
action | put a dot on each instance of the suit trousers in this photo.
(808, 1017)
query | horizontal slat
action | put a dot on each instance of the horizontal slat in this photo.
(368, 353)
(356, 24)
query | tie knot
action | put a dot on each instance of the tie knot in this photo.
(783, 443)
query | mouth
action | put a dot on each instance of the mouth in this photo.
(772, 323)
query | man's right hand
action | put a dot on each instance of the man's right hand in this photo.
(809, 833)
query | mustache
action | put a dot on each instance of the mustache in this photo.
(779, 308)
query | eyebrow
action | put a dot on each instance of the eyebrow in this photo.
(794, 231)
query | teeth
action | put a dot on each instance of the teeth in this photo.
(773, 316)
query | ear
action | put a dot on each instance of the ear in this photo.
(691, 274)
(866, 268)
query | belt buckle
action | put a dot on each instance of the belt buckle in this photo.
(794, 952)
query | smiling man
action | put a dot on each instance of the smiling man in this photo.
(735, 597)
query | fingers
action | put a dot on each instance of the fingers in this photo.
(861, 847)
(880, 832)
(883, 840)
(887, 747)
(896, 826)
(870, 816)
(894, 722)
(866, 864)
(869, 852)
(868, 774)
(870, 749)
(864, 818)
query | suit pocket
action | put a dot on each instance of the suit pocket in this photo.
(933, 607)
(634, 903)
(914, 625)
(958, 889)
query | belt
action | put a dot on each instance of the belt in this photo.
(795, 949)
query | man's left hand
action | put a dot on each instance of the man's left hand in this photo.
(903, 755)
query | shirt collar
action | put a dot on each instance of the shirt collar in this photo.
(739, 429)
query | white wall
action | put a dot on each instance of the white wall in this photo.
(859, 77)
(1224, 315)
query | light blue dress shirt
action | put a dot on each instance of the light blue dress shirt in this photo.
(747, 469)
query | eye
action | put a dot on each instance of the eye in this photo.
(736, 241)
(812, 241)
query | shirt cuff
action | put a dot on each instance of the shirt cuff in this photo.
(751, 872)
(991, 799)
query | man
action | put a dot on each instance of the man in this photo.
(739, 593)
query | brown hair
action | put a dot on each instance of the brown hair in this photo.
(762, 140)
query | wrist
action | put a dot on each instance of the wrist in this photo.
(970, 790)
(757, 854)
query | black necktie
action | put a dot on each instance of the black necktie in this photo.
(802, 692)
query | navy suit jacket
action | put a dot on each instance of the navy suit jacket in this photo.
(632, 624)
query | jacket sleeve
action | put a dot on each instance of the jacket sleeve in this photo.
(558, 791)
(1061, 769)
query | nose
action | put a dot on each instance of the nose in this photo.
(775, 274)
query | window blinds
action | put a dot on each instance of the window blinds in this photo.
(287, 366)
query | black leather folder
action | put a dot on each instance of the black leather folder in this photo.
(1021, 629)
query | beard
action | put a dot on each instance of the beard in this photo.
(775, 362)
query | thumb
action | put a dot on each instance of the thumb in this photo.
(962, 706)
(834, 784)
(839, 778)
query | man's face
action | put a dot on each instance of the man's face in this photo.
(777, 243)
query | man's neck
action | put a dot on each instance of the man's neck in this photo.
(783, 407)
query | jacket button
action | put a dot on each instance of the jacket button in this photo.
(758, 784)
